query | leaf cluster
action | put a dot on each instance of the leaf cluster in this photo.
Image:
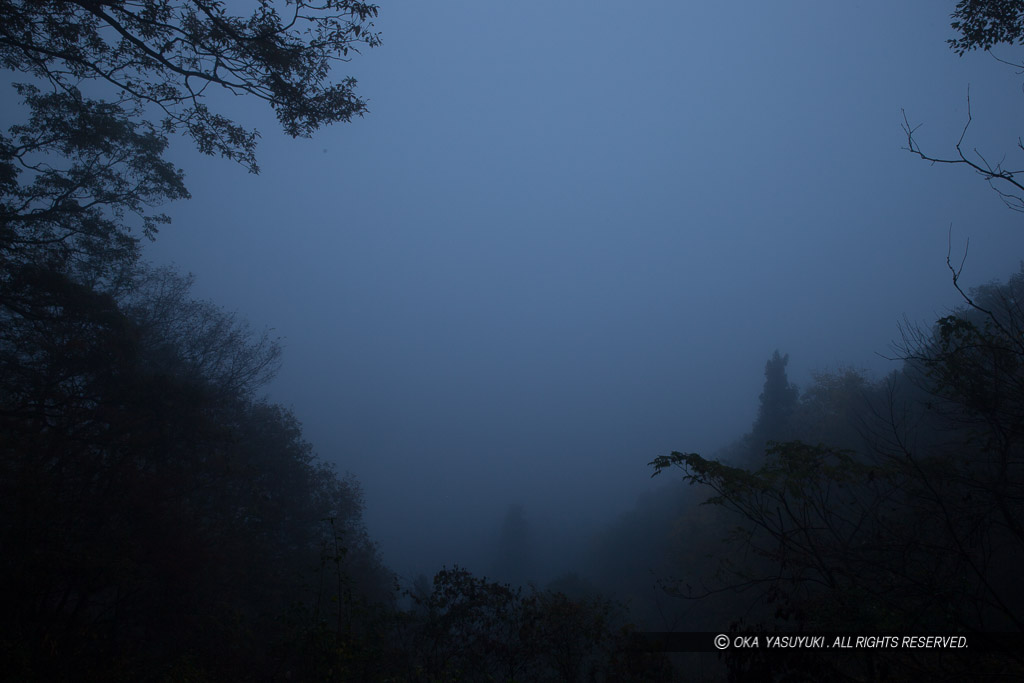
(167, 54)
(70, 178)
(983, 24)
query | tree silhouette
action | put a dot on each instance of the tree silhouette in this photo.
(981, 25)
(920, 527)
(167, 54)
(778, 403)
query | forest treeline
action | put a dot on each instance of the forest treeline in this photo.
(161, 520)
(890, 505)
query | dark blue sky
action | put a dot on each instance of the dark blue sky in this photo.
(568, 235)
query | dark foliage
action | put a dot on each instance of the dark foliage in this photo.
(471, 629)
(778, 401)
(917, 527)
(167, 53)
(158, 520)
(983, 24)
(153, 512)
(81, 177)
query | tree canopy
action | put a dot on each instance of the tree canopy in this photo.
(81, 179)
(154, 511)
(913, 525)
(156, 514)
(167, 54)
(983, 24)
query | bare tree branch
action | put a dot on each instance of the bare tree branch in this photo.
(996, 176)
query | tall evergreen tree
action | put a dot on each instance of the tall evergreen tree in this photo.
(778, 403)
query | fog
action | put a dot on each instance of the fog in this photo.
(566, 238)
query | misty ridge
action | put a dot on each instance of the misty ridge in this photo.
(414, 415)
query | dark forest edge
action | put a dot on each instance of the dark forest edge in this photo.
(158, 516)
(163, 522)
(908, 520)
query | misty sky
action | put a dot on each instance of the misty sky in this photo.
(568, 236)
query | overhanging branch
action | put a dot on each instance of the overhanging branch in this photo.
(1003, 181)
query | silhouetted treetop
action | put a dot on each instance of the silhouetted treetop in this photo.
(778, 401)
(71, 177)
(983, 24)
(167, 53)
